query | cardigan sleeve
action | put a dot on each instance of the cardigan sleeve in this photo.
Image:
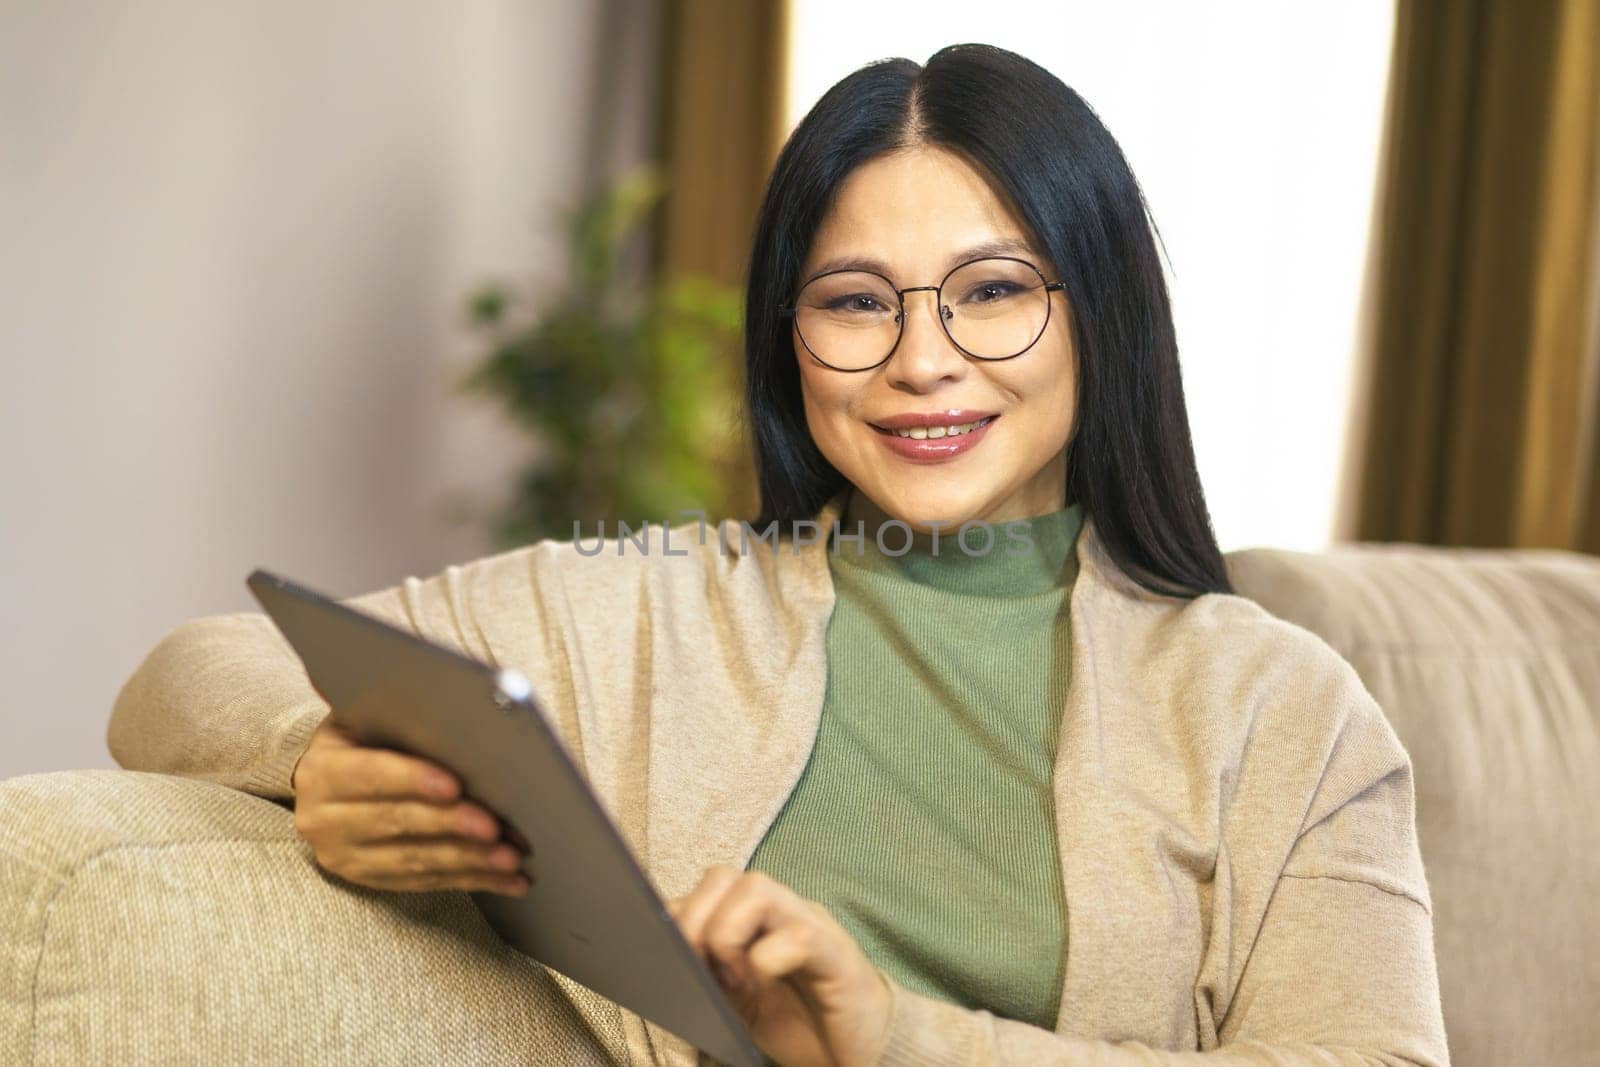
(225, 699)
(1339, 968)
(1342, 973)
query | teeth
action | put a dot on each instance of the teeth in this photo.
(919, 433)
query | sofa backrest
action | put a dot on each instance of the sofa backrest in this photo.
(1487, 664)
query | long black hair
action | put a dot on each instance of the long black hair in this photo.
(1131, 463)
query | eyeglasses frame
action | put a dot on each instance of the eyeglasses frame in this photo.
(789, 311)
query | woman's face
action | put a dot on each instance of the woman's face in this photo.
(918, 212)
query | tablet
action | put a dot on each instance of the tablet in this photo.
(592, 914)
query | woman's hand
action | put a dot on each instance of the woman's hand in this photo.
(387, 820)
(799, 980)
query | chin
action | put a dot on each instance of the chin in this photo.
(924, 506)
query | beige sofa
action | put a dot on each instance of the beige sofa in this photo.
(150, 918)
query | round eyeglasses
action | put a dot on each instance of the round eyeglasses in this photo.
(992, 308)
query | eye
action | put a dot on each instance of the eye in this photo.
(856, 302)
(989, 292)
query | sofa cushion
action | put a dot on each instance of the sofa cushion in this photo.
(147, 918)
(1487, 664)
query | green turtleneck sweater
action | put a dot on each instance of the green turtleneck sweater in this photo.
(947, 673)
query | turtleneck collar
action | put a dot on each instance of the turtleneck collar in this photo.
(1009, 559)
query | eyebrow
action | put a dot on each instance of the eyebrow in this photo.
(1007, 246)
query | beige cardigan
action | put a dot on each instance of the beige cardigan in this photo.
(1234, 813)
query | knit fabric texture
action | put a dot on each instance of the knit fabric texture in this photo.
(948, 665)
(1234, 816)
(146, 918)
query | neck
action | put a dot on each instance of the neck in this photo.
(861, 508)
(1017, 557)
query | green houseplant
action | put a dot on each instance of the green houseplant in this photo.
(627, 384)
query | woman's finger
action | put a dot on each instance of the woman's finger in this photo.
(378, 773)
(516, 837)
(465, 881)
(366, 821)
(782, 952)
(754, 903)
(692, 909)
(431, 856)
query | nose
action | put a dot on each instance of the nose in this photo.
(925, 355)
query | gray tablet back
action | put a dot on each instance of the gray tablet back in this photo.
(592, 914)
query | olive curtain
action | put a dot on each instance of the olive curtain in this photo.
(1479, 387)
(724, 76)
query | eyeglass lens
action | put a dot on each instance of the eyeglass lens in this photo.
(991, 308)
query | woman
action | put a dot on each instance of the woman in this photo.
(996, 769)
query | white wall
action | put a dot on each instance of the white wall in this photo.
(234, 242)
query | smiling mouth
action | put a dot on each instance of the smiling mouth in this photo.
(934, 433)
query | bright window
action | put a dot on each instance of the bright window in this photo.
(1253, 129)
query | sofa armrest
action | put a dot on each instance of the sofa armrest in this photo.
(146, 917)
(1487, 664)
